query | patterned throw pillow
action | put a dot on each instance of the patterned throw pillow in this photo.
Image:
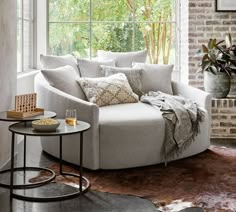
(111, 90)
(133, 75)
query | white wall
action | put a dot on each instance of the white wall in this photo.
(7, 69)
(184, 41)
(25, 82)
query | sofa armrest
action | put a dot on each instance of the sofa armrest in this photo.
(202, 98)
(53, 99)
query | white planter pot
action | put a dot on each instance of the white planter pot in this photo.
(217, 84)
(232, 91)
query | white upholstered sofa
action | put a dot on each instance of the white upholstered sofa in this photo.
(121, 136)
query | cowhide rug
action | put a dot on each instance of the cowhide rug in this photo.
(207, 180)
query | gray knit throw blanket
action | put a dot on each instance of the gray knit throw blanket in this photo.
(182, 118)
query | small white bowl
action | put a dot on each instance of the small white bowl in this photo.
(45, 127)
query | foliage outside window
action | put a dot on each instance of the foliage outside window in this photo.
(82, 27)
(25, 34)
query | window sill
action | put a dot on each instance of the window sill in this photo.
(27, 73)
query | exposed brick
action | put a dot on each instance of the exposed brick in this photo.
(219, 117)
(227, 124)
(205, 23)
(214, 124)
(205, 28)
(221, 29)
(213, 110)
(205, 4)
(231, 102)
(233, 131)
(231, 22)
(228, 110)
(218, 131)
(218, 103)
(213, 22)
(213, 103)
(192, 4)
(221, 16)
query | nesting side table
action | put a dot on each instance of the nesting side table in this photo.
(63, 130)
(3, 117)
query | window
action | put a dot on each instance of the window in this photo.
(82, 27)
(25, 35)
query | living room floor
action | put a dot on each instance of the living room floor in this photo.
(91, 201)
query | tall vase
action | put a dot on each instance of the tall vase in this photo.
(217, 84)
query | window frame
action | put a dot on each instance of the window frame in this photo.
(176, 21)
(32, 21)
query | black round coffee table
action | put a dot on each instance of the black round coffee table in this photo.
(5, 118)
(63, 130)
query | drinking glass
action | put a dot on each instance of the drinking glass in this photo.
(71, 117)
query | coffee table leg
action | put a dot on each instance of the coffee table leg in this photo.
(60, 154)
(81, 163)
(12, 163)
(24, 152)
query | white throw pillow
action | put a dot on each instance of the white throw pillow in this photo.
(133, 75)
(110, 90)
(90, 68)
(123, 59)
(64, 79)
(155, 77)
(51, 62)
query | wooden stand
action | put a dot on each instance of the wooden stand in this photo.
(16, 114)
(25, 106)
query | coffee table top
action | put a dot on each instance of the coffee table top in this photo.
(25, 128)
(47, 114)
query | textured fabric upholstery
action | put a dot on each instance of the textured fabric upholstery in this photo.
(155, 77)
(89, 68)
(51, 61)
(133, 75)
(130, 134)
(111, 90)
(123, 59)
(64, 79)
(53, 99)
(121, 136)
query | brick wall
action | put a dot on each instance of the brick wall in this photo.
(205, 23)
(223, 118)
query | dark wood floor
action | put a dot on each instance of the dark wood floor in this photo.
(91, 201)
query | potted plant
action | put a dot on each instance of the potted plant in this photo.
(218, 62)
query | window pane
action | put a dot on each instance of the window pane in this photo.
(28, 45)
(155, 10)
(69, 38)
(110, 10)
(159, 40)
(19, 46)
(114, 37)
(28, 9)
(139, 43)
(19, 8)
(68, 10)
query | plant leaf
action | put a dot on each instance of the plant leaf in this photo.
(228, 41)
(204, 49)
(213, 69)
(219, 42)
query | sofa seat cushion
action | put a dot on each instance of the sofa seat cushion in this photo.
(123, 131)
